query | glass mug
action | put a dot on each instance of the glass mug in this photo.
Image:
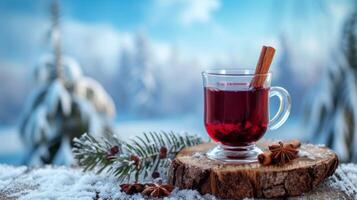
(236, 115)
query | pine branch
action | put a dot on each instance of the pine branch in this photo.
(140, 158)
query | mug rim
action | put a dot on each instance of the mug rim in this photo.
(232, 72)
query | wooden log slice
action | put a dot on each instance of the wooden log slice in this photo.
(191, 169)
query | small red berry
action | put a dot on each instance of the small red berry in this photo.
(114, 150)
(163, 152)
(136, 159)
(155, 174)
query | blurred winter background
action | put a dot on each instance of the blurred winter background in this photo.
(134, 66)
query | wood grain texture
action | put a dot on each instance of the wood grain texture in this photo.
(191, 169)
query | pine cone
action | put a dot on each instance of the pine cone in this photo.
(158, 190)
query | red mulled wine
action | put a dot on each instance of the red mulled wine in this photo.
(235, 118)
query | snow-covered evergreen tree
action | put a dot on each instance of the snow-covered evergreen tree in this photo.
(286, 76)
(64, 105)
(139, 85)
(332, 110)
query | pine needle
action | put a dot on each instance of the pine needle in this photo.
(133, 160)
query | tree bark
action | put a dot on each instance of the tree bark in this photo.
(191, 169)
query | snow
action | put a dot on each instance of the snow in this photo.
(307, 154)
(71, 183)
(88, 88)
(70, 69)
(64, 154)
(346, 179)
(197, 155)
(311, 151)
(58, 96)
(7, 173)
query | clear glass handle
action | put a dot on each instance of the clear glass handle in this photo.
(284, 108)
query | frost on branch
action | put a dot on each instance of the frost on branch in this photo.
(138, 159)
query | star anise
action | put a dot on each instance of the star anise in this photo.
(158, 190)
(132, 188)
(283, 153)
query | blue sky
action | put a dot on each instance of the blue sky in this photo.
(212, 26)
(200, 33)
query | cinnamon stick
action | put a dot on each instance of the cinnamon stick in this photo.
(263, 65)
(265, 158)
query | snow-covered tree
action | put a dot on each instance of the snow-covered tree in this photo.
(286, 75)
(138, 81)
(64, 105)
(332, 110)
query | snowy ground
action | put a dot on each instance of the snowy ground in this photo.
(63, 183)
(11, 149)
(68, 183)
